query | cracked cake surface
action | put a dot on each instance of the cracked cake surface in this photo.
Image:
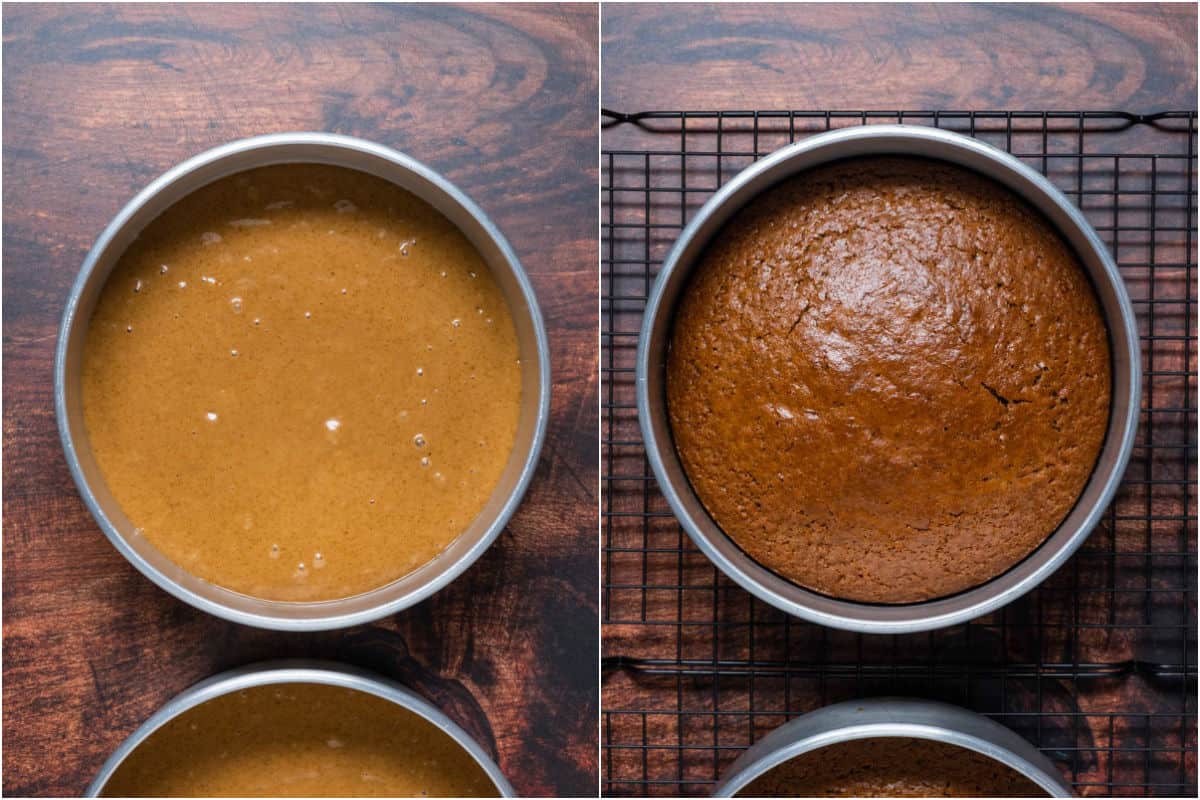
(888, 379)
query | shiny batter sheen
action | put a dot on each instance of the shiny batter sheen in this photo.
(892, 767)
(889, 379)
(301, 383)
(299, 740)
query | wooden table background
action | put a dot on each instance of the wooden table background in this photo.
(1138, 58)
(100, 99)
(847, 56)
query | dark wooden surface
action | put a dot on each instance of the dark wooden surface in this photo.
(1134, 57)
(1130, 56)
(100, 99)
(1127, 600)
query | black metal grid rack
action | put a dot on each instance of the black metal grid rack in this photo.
(1097, 667)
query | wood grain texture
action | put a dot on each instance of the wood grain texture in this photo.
(100, 99)
(869, 56)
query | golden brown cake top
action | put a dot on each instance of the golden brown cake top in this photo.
(892, 767)
(888, 379)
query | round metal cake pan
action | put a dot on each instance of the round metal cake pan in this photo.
(298, 671)
(654, 342)
(893, 717)
(373, 159)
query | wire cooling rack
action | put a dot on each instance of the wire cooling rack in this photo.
(1097, 667)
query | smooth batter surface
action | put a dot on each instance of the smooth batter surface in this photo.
(892, 767)
(299, 740)
(888, 379)
(301, 383)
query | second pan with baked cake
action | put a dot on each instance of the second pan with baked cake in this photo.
(892, 747)
(892, 392)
